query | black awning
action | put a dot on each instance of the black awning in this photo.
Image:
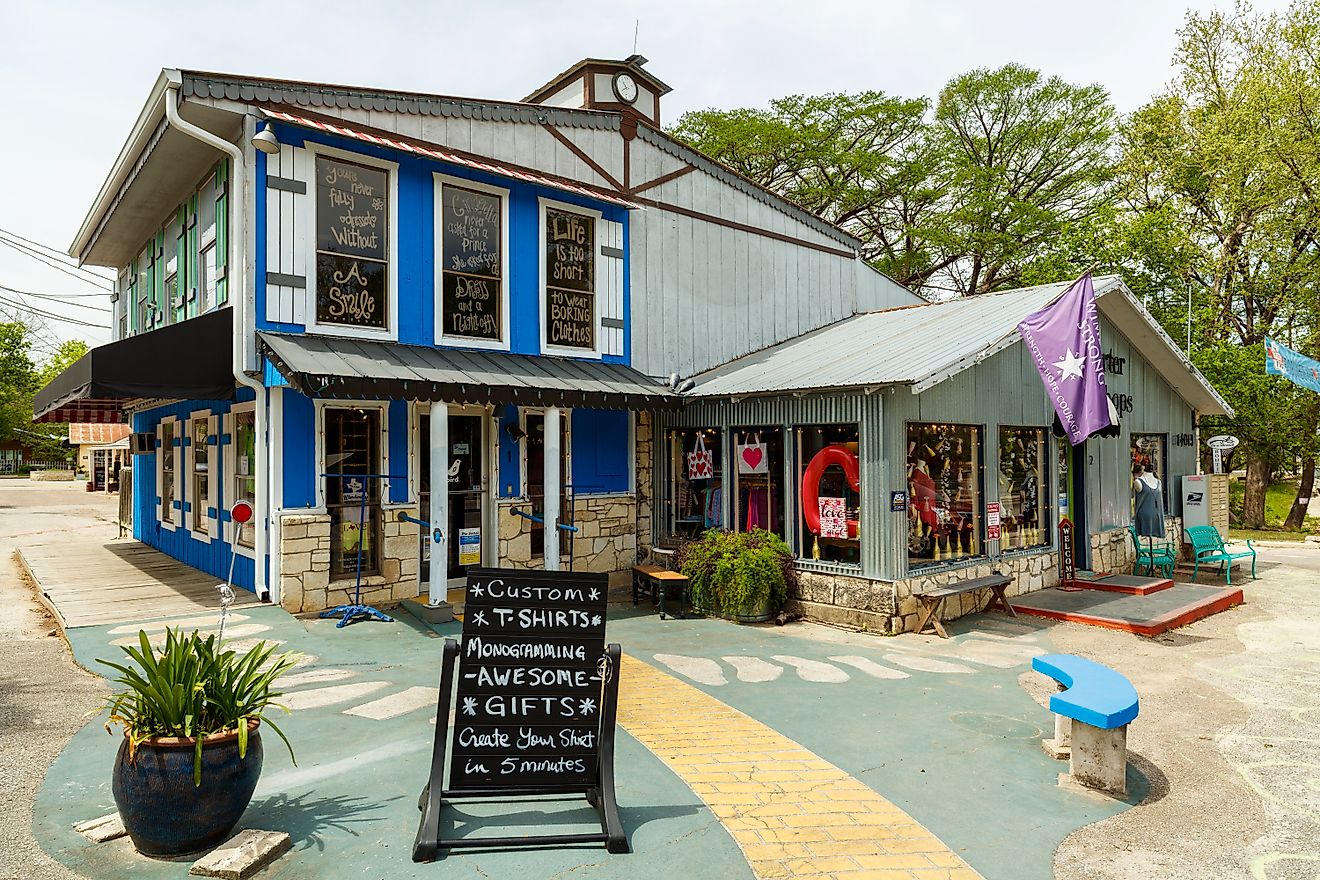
(324, 366)
(192, 360)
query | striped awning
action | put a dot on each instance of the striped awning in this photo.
(444, 154)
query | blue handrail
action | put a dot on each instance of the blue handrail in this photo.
(539, 519)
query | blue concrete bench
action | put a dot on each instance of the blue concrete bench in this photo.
(1092, 710)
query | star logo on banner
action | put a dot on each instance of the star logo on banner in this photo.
(479, 618)
(1070, 366)
(476, 590)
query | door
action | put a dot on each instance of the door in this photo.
(1072, 497)
(100, 468)
(467, 487)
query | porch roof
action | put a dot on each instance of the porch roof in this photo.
(325, 366)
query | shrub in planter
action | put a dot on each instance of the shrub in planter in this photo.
(191, 753)
(742, 575)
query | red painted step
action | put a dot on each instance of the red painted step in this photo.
(1126, 583)
(1144, 615)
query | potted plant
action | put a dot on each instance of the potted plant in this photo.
(744, 576)
(192, 753)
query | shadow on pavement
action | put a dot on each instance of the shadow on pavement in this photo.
(307, 817)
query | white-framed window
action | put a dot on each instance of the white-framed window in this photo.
(352, 280)
(122, 302)
(241, 467)
(169, 500)
(472, 264)
(200, 455)
(354, 441)
(533, 472)
(569, 255)
(173, 302)
(146, 307)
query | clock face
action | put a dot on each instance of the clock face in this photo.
(625, 88)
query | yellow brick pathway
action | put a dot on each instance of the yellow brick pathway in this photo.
(793, 813)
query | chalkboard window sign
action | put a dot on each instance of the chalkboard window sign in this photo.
(471, 263)
(570, 279)
(352, 244)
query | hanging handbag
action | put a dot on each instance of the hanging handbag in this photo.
(752, 457)
(700, 462)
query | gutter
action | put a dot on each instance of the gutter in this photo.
(244, 323)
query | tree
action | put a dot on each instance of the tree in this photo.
(1226, 162)
(864, 162)
(18, 379)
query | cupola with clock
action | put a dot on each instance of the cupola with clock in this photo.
(601, 84)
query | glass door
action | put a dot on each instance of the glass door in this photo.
(466, 484)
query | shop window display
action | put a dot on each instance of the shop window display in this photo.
(829, 503)
(1149, 451)
(758, 480)
(944, 491)
(696, 482)
(1023, 521)
(352, 448)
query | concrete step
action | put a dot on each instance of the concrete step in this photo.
(1133, 585)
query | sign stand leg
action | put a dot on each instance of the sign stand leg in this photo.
(427, 845)
(602, 797)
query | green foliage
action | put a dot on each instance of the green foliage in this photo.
(18, 379)
(738, 573)
(1278, 503)
(195, 688)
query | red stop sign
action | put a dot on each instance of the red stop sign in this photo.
(241, 512)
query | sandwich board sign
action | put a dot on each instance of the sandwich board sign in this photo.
(535, 706)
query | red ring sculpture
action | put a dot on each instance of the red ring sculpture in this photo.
(830, 455)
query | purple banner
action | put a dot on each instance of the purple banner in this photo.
(1064, 341)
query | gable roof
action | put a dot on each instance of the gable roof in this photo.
(80, 433)
(924, 345)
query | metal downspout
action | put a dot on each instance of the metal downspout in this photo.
(243, 320)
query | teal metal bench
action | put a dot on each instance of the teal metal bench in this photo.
(1092, 710)
(1154, 554)
(1209, 546)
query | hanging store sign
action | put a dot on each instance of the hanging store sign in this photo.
(1067, 561)
(352, 220)
(1223, 442)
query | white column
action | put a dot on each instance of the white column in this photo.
(553, 490)
(438, 571)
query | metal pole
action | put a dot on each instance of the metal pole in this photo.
(550, 505)
(438, 569)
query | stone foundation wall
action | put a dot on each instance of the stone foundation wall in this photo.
(1030, 572)
(606, 540)
(304, 547)
(1112, 551)
(844, 600)
(644, 438)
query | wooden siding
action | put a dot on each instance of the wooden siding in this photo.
(289, 233)
(210, 556)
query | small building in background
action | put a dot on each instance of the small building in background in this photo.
(102, 450)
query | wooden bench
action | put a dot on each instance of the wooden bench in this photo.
(933, 600)
(659, 581)
(1209, 546)
(1092, 710)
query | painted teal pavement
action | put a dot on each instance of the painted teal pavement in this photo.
(958, 751)
(351, 803)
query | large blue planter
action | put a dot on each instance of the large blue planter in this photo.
(163, 812)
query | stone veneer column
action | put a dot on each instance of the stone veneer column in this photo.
(644, 471)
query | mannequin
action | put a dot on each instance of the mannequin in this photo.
(1149, 507)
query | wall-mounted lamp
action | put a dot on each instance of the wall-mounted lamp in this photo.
(266, 141)
(515, 431)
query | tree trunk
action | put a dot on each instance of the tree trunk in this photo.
(1253, 498)
(1297, 516)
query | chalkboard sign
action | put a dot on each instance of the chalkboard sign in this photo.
(352, 237)
(471, 262)
(570, 279)
(529, 680)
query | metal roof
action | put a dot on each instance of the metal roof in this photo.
(99, 433)
(324, 366)
(923, 345)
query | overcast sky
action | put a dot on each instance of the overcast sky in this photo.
(76, 74)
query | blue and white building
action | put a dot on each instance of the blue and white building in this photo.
(328, 296)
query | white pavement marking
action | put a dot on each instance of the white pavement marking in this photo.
(314, 676)
(754, 668)
(813, 670)
(210, 620)
(299, 777)
(870, 667)
(340, 693)
(402, 703)
(699, 669)
(243, 629)
(242, 646)
(926, 664)
(302, 660)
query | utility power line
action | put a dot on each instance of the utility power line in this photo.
(55, 295)
(15, 304)
(54, 251)
(67, 270)
(56, 299)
